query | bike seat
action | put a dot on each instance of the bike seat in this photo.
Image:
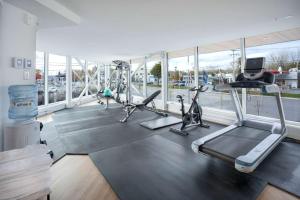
(179, 96)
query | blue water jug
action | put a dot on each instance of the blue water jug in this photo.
(23, 101)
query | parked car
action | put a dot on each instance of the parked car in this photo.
(181, 83)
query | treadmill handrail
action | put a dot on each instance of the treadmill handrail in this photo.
(248, 163)
(257, 154)
(266, 88)
(253, 155)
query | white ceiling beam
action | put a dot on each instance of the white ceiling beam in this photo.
(61, 10)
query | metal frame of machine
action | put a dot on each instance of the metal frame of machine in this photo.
(247, 163)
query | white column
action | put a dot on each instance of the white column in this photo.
(46, 64)
(107, 74)
(196, 66)
(98, 77)
(69, 81)
(243, 62)
(129, 95)
(145, 78)
(86, 78)
(164, 79)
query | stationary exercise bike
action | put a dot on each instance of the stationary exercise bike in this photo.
(194, 115)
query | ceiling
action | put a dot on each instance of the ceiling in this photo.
(50, 13)
(111, 29)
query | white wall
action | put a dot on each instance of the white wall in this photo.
(18, 39)
(1, 50)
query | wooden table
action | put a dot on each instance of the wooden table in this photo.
(25, 173)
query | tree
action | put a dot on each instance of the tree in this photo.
(280, 59)
(156, 71)
(176, 76)
(237, 69)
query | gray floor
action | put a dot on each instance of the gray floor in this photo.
(95, 130)
(156, 168)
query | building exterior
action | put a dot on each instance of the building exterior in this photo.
(139, 74)
(287, 79)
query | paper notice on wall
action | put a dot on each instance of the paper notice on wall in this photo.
(26, 74)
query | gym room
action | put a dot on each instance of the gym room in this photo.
(160, 100)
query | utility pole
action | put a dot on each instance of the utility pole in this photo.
(233, 62)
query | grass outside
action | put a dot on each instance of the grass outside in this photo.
(289, 95)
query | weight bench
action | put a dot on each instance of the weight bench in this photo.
(130, 108)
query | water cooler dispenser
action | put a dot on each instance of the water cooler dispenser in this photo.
(23, 129)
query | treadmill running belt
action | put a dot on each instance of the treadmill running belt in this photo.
(156, 168)
(236, 142)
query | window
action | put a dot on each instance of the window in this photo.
(56, 78)
(153, 76)
(40, 77)
(92, 70)
(102, 77)
(137, 77)
(78, 78)
(180, 77)
(218, 64)
(282, 59)
(112, 77)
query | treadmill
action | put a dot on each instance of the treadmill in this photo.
(247, 142)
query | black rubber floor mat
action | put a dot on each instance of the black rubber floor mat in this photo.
(84, 124)
(115, 113)
(77, 115)
(99, 138)
(90, 107)
(101, 119)
(156, 168)
(194, 133)
(282, 167)
(104, 131)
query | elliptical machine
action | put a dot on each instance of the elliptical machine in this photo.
(194, 115)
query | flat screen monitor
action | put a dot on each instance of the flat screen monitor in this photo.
(255, 64)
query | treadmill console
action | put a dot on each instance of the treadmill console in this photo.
(255, 68)
(254, 75)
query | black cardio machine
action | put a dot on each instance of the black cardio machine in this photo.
(194, 115)
(249, 141)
